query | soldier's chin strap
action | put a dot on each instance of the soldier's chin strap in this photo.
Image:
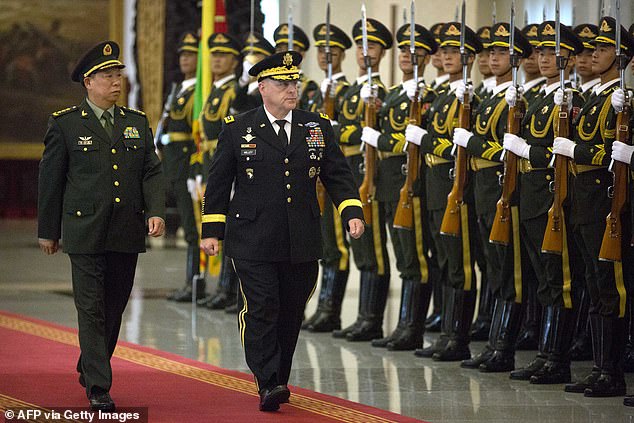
(609, 67)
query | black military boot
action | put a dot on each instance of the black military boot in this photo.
(330, 317)
(446, 326)
(528, 338)
(327, 276)
(225, 295)
(557, 366)
(475, 361)
(482, 326)
(585, 383)
(503, 357)
(611, 382)
(372, 325)
(457, 348)
(434, 320)
(628, 361)
(364, 286)
(538, 362)
(581, 349)
(418, 302)
(192, 268)
(406, 294)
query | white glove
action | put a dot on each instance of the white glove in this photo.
(334, 123)
(368, 91)
(461, 137)
(245, 77)
(516, 145)
(618, 99)
(559, 97)
(564, 146)
(622, 152)
(165, 139)
(414, 134)
(511, 95)
(328, 83)
(370, 136)
(410, 88)
(461, 90)
(195, 187)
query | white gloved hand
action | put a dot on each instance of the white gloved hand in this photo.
(410, 88)
(618, 99)
(370, 136)
(516, 145)
(414, 134)
(191, 188)
(564, 146)
(511, 95)
(622, 152)
(328, 83)
(165, 139)
(559, 97)
(368, 91)
(334, 123)
(245, 77)
(461, 90)
(461, 137)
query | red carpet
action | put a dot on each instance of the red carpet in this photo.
(37, 362)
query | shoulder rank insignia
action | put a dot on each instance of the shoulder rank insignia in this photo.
(64, 111)
(324, 116)
(230, 119)
(139, 112)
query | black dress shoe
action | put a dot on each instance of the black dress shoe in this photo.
(628, 401)
(101, 402)
(525, 373)
(432, 323)
(285, 400)
(270, 399)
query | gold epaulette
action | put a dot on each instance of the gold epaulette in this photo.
(64, 111)
(230, 119)
(138, 112)
(324, 116)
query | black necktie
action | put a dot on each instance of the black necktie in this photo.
(281, 134)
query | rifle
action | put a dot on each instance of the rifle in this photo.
(612, 237)
(501, 229)
(328, 105)
(404, 215)
(451, 220)
(554, 235)
(165, 116)
(367, 188)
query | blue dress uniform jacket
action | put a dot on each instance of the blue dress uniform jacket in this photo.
(274, 213)
(98, 190)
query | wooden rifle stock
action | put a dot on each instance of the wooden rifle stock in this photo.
(329, 109)
(612, 237)
(501, 229)
(451, 219)
(367, 188)
(404, 215)
(554, 235)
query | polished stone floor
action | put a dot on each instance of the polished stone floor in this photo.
(39, 286)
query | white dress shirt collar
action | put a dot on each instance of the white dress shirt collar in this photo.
(287, 126)
(501, 87)
(219, 83)
(533, 82)
(590, 84)
(364, 77)
(439, 80)
(186, 84)
(599, 88)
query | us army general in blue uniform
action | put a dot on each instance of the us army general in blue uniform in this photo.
(100, 184)
(271, 225)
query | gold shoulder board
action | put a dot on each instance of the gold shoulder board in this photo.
(324, 116)
(64, 111)
(138, 112)
(230, 119)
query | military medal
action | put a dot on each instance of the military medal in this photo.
(249, 172)
(312, 172)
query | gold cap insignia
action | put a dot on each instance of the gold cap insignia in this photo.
(283, 30)
(587, 33)
(605, 27)
(502, 32)
(322, 30)
(452, 30)
(548, 30)
(288, 60)
(252, 39)
(407, 33)
(486, 33)
(220, 38)
(189, 38)
(107, 50)
(369, 26)
(532, 32)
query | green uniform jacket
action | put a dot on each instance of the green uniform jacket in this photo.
(340, 90)
(98, 191)
(308, 89)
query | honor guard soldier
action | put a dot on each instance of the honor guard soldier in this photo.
(307, 87)
(256, 48)
(581, 347)
(370, 258)
(272, 156)
(100, 184)
(459, 295)
(410, 245)
(534, 148)
(336, 256)
(488, 79)
(590, 149)
(225, 57)
(528, 338)
(504, 262)
(178, 147)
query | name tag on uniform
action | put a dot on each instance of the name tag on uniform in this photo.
(131, 132)
(248, 150)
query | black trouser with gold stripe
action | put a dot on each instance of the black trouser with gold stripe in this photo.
(336, 249)
(272, 299)
(515, 266)
(101, 287)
